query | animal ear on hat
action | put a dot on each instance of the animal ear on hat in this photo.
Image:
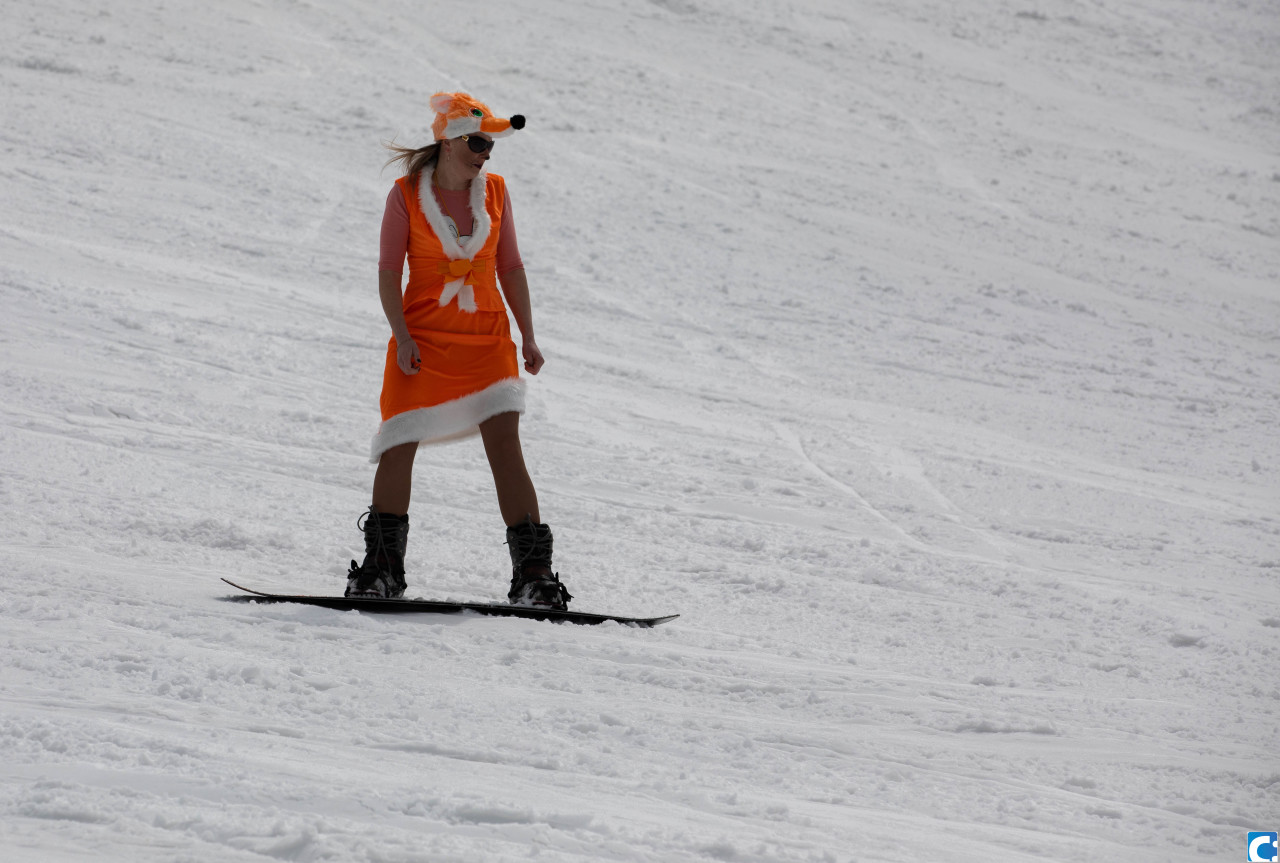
(442, 102)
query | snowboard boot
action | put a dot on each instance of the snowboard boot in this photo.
(381, 576)
(532, 581)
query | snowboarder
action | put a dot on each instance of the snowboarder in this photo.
(451, 368)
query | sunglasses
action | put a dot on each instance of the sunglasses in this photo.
(477, 144)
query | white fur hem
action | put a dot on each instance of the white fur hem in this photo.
(450, 421)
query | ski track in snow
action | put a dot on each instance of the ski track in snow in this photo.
(922, 356)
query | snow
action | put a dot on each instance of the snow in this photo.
(925, 357)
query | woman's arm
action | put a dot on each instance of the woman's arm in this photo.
(393, 245)
(515, 287)
(407, 356)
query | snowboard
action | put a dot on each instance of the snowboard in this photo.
(431, 606)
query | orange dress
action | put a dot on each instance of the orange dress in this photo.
(455, 313)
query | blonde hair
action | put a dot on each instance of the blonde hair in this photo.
(411, 160)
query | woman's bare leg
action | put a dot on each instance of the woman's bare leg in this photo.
(517, 499)
(393, 481)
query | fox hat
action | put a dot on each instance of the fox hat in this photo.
(459, 114)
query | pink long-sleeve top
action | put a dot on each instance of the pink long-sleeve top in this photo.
(456, 204)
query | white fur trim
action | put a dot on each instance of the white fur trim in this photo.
(465, 293)
(480, 223)
(480, 227)
(469, 125)
(450, 421)
(459, 126)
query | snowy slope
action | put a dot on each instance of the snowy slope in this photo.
(924, 356)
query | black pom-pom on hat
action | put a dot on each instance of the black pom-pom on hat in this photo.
(517, 121)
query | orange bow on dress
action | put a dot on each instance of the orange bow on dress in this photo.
(462, 285)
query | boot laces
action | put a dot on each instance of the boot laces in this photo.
(381, 550)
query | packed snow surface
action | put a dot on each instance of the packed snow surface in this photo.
(923, 356)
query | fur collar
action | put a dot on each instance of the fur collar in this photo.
(480, 227)
(480, 223)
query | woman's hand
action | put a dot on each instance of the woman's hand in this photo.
(532, 358)
(407, 356)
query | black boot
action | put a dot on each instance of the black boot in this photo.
(532, 581)
(381, 576)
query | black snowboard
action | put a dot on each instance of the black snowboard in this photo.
(428, 606)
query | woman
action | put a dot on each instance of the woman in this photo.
(451, 368)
